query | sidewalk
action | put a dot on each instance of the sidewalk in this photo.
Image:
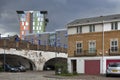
(81, 77)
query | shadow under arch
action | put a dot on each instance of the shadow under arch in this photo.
(50, 64)
(15, 60)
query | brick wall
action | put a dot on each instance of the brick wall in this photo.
(10, 43)
(98, 36)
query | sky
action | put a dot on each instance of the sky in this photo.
(60, 12)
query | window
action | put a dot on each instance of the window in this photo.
(39, 28)
(33, 23)
(26, 23)
(38, 23)
(41, 19)
(114, 45)
(22, 32)
(79, 47)
(33, 28)
(38, 19)
(66, 34)
(38, 14)
(92, 28)
(114, 25)
(23, 17)
(22, 23)
(41, 23)
(79, 29)
(24, 28)
(38, 31)
(92, 46)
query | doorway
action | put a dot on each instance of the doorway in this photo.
(74, 65)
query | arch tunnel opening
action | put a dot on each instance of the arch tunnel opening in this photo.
(16, 60)
(50, 64)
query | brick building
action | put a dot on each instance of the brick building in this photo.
(93, 43)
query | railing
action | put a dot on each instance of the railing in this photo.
(86, 53)
(116, 52)
(29, 46)
(90, 52)
(79, 54)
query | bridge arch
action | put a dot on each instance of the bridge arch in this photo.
(50, 64)
(15, 60)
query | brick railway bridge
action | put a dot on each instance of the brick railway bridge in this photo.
(33, 57)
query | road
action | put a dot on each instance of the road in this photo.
(49, 75)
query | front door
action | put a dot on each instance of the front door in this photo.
(73, 62)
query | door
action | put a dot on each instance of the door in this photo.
(74, 64)
(92, 67)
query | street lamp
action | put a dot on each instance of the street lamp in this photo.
(0, 36)
(17, 42)
(39, 42)
(4, 54)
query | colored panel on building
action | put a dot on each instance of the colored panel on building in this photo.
(31, 21)
(92, 67)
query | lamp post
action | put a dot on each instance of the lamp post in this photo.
(4, 54)
(17, 42)
(0, 36)
(39, 42)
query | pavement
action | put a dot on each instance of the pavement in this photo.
(49, 75)
(81, 77)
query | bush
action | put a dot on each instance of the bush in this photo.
(61, 68)
(1, 69)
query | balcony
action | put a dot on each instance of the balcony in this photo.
(85, 53)
(114, 52)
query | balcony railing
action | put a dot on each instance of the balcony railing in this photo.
(115, 52)
(79, 53)
(86, 53)
(90, 52)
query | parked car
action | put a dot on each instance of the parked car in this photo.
(10, 68)
(21, 68)
(113, 69)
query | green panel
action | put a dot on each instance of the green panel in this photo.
(36, 22)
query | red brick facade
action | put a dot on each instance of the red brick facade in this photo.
(98, 37)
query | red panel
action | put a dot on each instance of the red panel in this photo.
(92, 67)
(112, 60)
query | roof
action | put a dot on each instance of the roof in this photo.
(94, 19)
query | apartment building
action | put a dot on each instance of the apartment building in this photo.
(32, 22)
(93, 43)
(57, 38)
(61, 38)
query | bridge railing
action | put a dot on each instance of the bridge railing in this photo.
(6, 43)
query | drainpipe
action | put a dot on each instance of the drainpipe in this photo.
(103, 48)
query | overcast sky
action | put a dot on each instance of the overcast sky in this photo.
(60, 12)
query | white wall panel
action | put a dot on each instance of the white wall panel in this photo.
(72, 30)
(118, 25)
(107, 26)
(85, 29)
(98, 28)
(80, 66)
(69, 65)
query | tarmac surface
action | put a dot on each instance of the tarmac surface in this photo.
(49, 75)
